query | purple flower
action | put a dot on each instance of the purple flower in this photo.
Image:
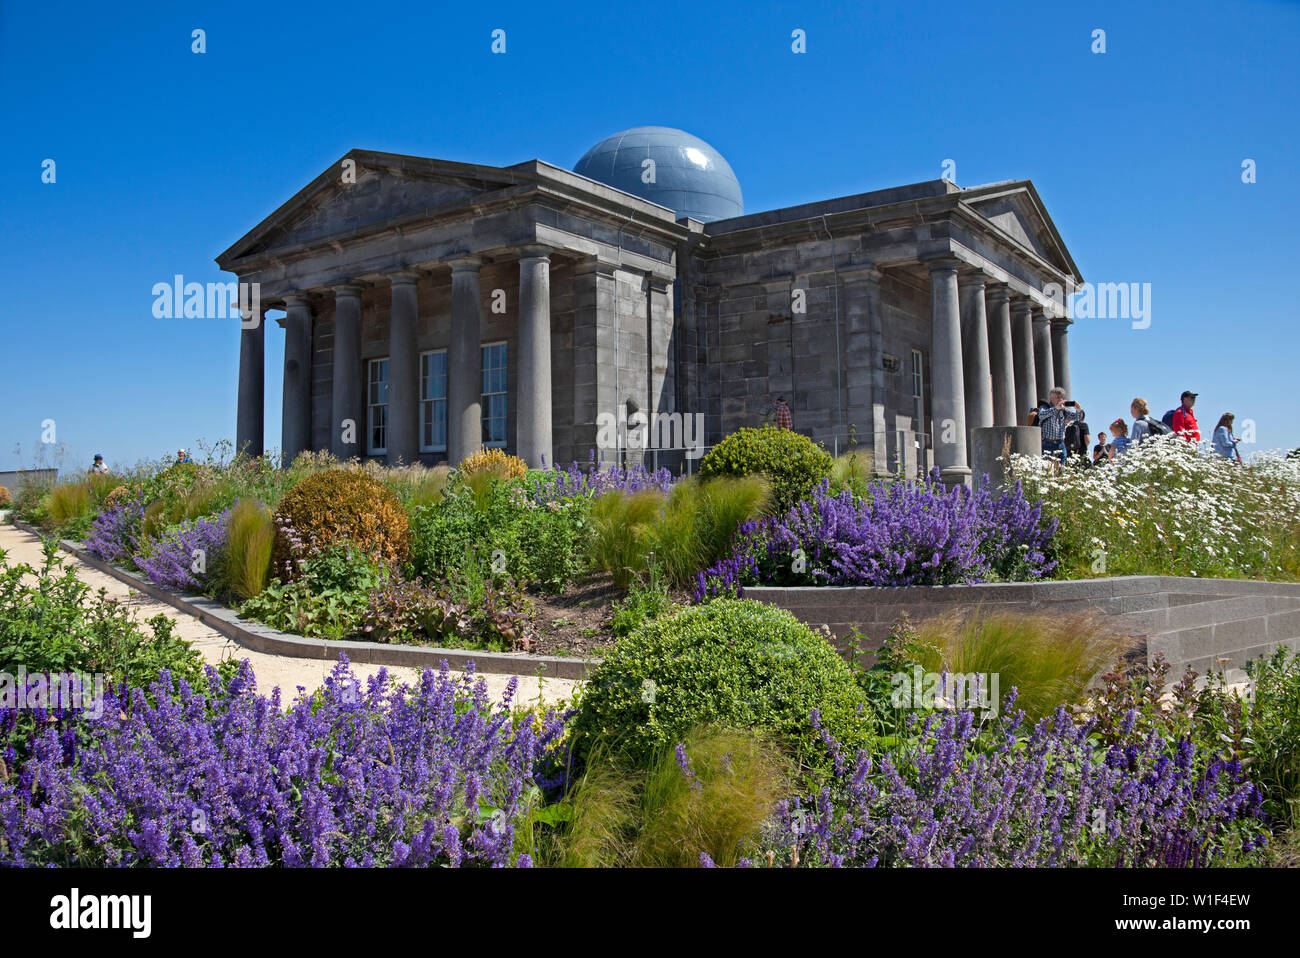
(368, 774)
(900, 534)
(185, 558)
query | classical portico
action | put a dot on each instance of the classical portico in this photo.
(432, 308)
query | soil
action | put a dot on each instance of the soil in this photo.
(576, 622)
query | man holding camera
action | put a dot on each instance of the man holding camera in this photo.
(1053, 417)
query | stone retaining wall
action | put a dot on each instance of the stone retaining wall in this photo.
(1204, 623)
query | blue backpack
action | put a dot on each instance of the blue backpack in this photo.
(1168, 418)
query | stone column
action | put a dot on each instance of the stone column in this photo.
(403, 440)
(295, 420)
(252, 385)
(533, 408)
(1022, 341)
(975, 354)
(1045, 376)
(347, 425)
(1061, 353)
(997, 300)
(948, 417)
(465, 363)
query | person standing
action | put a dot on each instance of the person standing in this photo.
(98, 467)
(1052, 419)
(1119, 441)
(1225, 443)
(783, 418)
(1184, 423)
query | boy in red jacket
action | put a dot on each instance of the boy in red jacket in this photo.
(1185, 424)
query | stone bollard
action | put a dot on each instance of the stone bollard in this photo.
(988, 444)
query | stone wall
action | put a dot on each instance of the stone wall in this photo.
(1204, 623)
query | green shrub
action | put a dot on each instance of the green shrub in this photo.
(250, 541)
(338, 505)
(327, 598)
(669, 814)
(731, 662)
(792, 463)
(488, 528)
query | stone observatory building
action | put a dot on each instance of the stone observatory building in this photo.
(631, 308)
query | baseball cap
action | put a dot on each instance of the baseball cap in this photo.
(1188, 392)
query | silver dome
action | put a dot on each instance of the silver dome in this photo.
(690, 177)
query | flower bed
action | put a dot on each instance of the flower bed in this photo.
(219, 775)
(900, 534)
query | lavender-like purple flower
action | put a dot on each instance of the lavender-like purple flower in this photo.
(900, 534)
(362, 774)
(185, 558)
(113, 533)
(592, 481)
(961, 798)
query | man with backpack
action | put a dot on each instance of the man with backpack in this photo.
(1182, 421)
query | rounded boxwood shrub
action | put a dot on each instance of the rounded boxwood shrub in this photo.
(732, 662)
(340, 505)
(792, 463)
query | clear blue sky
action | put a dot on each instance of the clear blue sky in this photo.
(165, 157)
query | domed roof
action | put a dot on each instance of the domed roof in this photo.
(687, 175)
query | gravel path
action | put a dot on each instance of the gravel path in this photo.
(272, 670)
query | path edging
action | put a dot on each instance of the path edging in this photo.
(262, 638)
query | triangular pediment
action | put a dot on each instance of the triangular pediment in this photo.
(365, 190)
(1016, 210)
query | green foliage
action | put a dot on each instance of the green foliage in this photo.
(250, 541)
(1050, 658)
(52, 622)
(668, 813)
(792, 463)
(646, 601)
(461, 612)
(1260, 728)
(620, 525)
(69, 501)
(326, 599)
(731, 662)
(685, 530)
(428, 489)
(1273, 728)
(853, 471)
(488, 528)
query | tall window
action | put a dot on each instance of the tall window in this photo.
(918, 391)
(494, 394)
(377, 406)
(433, 401)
